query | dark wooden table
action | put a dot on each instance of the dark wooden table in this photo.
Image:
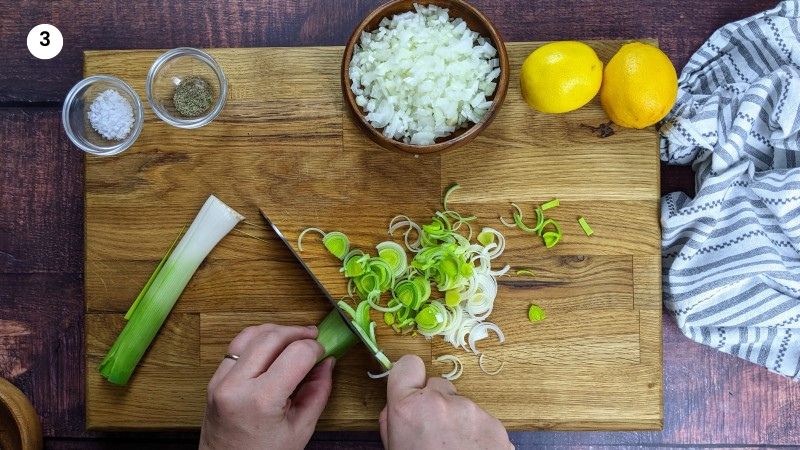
(709, 397)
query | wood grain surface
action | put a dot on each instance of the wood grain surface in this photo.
(285, 144)
(20, 428)
(710, 398)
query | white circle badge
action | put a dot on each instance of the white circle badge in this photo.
(45, 41)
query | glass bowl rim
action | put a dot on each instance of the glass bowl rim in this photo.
(196, 122)
(123, 145)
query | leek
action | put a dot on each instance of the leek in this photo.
(154, 303)
(492, 373)
(442, 257)
(485, 238)
(536, 314)
(336, 243)
(334, 335)
(585, 226)
(458, 367)
(550, 238)
(551, 204)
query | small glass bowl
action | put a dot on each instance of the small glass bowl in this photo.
(167, 73)
(74, 115)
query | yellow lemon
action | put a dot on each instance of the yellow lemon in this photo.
(561, 76)
(639, 86)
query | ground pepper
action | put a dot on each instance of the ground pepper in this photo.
(193, 97)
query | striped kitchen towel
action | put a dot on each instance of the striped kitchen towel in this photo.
(732, 254)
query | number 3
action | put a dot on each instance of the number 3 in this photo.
(45, 38)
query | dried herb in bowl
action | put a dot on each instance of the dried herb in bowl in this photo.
(193, 97)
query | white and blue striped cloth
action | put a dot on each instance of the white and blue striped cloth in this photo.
(732, 254)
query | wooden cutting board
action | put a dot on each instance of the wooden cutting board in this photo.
(283, 143)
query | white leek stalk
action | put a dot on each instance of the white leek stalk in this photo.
(154, 303)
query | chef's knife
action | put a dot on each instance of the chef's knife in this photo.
(372, 349)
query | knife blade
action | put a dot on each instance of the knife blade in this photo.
(376, 352)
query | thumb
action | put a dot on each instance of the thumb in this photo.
(312, 395)
(407, 375)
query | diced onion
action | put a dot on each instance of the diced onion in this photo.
(420, 75)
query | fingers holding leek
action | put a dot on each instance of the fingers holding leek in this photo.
(273, 395)
(262, 350)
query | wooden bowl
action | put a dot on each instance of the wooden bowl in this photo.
(19, 425)
(477, 22)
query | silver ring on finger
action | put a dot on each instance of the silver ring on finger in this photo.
(231, 356)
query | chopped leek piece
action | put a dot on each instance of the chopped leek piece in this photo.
(427, 318)
(466, 270)
(369, 341)
(395, 255)
(431, 319)
(372, 332)
(526, 272)
(383, 273)
(443, 256)
(383, 360)
(485, 238)
(452, 298)
(585, 226)
(536, 314)
(154, 303)
(303, 234)
(362, 315)
(364, 334)
(371, 299)
(347, 308)
(354, 267)
(551, 238)
(458, 367)
(519, 220)
(423, 288)
(505, 222)
(449, 265)
(447, 194)
(551, 204)
(365, 328)
(337, 243)
(539, 218)
(492, 373)
(406, 292)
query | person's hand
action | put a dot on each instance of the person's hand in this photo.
(420, 415)
(272, 396)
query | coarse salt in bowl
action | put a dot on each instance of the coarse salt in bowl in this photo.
(96, 117)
